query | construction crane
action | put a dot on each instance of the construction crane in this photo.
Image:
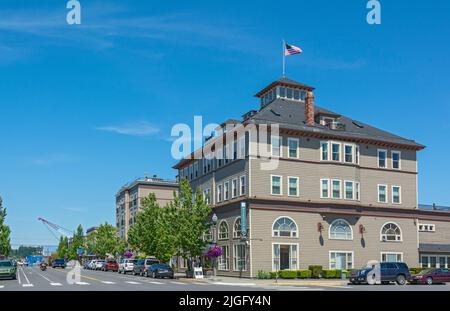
(55, 229)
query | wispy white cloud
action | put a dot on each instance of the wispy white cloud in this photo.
(53, 158)
(141, 128)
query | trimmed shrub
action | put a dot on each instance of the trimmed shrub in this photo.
(288, 274)
(416, 270)
(316, 271)
(329, 274)
(304, 274)
(347, 273)
(263, 275)
(273, 275)
(338, 274)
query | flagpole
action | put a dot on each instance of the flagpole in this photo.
(284, 59)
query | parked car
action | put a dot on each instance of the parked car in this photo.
(59, 263)
(159, 271)
(390, 272)
(86, 264)
(126, 265)
(142, 265)
(99, 264)
(7, 270)
(432, 276)
(111, 265)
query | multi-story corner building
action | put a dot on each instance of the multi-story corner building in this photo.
(342, 193)
(129, 199)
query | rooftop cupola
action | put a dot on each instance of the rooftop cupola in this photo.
(284, 88)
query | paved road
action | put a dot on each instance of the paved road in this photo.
(32, 279)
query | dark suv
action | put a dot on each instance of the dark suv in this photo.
(59, 263)
(390, 272)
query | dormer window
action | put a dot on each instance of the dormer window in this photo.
(327, 121)
(283, 88)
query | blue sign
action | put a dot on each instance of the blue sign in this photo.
(80, 251)
(244, 219)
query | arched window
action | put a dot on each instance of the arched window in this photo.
(284, 227)
(237, 228)
(223, 230)
(391, 232)
(340, 229)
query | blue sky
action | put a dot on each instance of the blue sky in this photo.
(85, 109)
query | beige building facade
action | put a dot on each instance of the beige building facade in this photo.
(341, 193)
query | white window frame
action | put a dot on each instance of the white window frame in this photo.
(386, 194)
(426, 227)
(343, 252)
(241, 147)
(289, 139)
(345, 154)
(219, 193)
(234, 188)
(321, 188)
(386, 240)
(242, 182)
(292, 236)
(385, 158)
(334, 238)
(331, 151)
(399, 159)
(281, 185)
(289, 188)
(224, 263)
(280, 144)
(235, 235)
(297, 253)
(324, 142)
(399, 194)
(391, 253)
(226, 190)
(332, 189)
(345, 189)
(235, 258)
(357, 191)
(218, 231)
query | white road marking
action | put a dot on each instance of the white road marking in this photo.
(2, 286)
(157, 283)
(27, 285)
(18, 276)
(134, 283)
(28, 281)
(82, 283)
(178, 283)
(234, 284)
(341, 286)
(108, 282)
(55, 284)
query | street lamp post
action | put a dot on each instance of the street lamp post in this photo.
(214, 221)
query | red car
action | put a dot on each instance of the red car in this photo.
(432, 276)
(111, 265)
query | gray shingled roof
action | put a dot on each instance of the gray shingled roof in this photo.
(291, 115)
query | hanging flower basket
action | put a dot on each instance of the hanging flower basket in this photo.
(214, 252)
(128, 254)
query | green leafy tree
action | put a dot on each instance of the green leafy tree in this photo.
(5, 242)
(77, 242)
(106, 241)
(192, 221)
(63, 247)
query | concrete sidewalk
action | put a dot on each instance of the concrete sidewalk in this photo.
(222, 280)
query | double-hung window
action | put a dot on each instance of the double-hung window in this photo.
(324, 151)
(324, 188)
(357, 191)
(348, 153)
(293, 186)
(234, 188)
(219, 193)
(336, 152)
(336, 189)
(396, 160)
(276, 146)
(293, 147)
(239, 260)
(382, 155)
(396, 195)
(349, 190)
(242, 185)
(226, 190)
(276, 185)
(382, 193)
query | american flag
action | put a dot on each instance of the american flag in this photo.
(291, 50)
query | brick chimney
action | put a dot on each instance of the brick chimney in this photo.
(309, 108)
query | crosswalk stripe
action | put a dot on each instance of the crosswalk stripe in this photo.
(134, 283)
(55, 284)
(27, 285)
(178, 283)
(82, 283)
(108, 282)
(2, 286)
(157, 283)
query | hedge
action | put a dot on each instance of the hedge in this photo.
(273, 275)
(304, 274)
(316, 271)
(329, 274)
(288, 274)
(416, 270)
(263, 275)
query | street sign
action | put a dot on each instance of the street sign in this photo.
(80, 251)
(243, 219)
